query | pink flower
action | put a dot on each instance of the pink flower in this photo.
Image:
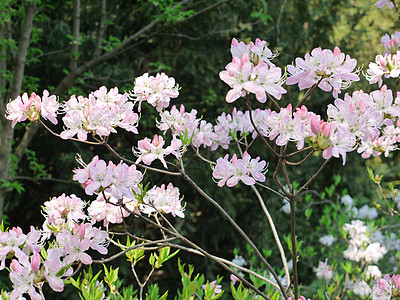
(161, 199)
(100, 114)
(237, 76)
(32, 108)
(148, 150)
(231, 172)
(383, 289)
(382, 3)
(334, 69)
(157, 91)
(213, 285)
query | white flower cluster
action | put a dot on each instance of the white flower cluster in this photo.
(361, 246)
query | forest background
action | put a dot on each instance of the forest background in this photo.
(73, 47)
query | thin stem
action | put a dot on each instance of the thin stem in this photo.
(298, 151)
(312, 178)
(301, 161)
(309, 92)
(228, 262)
(256, 129)
(74, 139)
(274, 232)
(157, 242)
(294, 246)
(238, 229)
(139, 165)
(196, 150)
(187, 241)
(271, 189)
(273, 101)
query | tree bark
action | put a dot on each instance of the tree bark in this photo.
(7, 132)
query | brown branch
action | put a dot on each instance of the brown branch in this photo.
(102, 28)
(256, 129)
(312, 178)
(75, 33)
(26, 139)
(3, 82)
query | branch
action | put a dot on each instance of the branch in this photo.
(75, 33)
(3, 82)
(102, 28)
(238, 229)
(23, 45)
(26, 139)
(312, 178)
(274, 232)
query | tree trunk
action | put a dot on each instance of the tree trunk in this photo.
(7, 132)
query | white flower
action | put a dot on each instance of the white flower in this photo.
(327, 240)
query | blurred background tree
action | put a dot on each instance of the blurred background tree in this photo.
(73, 47)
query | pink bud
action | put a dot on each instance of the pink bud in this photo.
(382, 61)
(81, 231)
(233, 279)
(315, 125)
(18, 230)
(35, 262)
(16, 266)
(336, 52)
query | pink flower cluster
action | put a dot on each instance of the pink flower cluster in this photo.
(32, 108)
(246, 169)
(150, 150)
(333, 70)
(184, 123)
(163, 199)
(99, 114)
(157, 91)
(382, 3)
(118, 180)
(386, 288)
(63, 212)
(386, 65)
(391, 43)
(109, 209)
(29, 268)
(251, 72)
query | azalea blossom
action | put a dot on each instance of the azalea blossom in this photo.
(100, 114)
(32, 108)
(157, 91)
(150, 150)
(332, 71)
(163, 199)
(247, 170)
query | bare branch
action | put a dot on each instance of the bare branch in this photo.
(75, 33)
(102, 28)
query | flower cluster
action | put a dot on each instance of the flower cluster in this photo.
(163, 199)
(157, 91)
(150, 150)
(251, 72)
(244, 169)
(118, 180)
(31, 268)
(386, 287)
(386, 65)
(360, 244)
(382, 3)
(99, 114)
(32, 108)
(111, 209)
(331, 70)
(324, 271)
(391, 43)
(63, 212)
(183, 123)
